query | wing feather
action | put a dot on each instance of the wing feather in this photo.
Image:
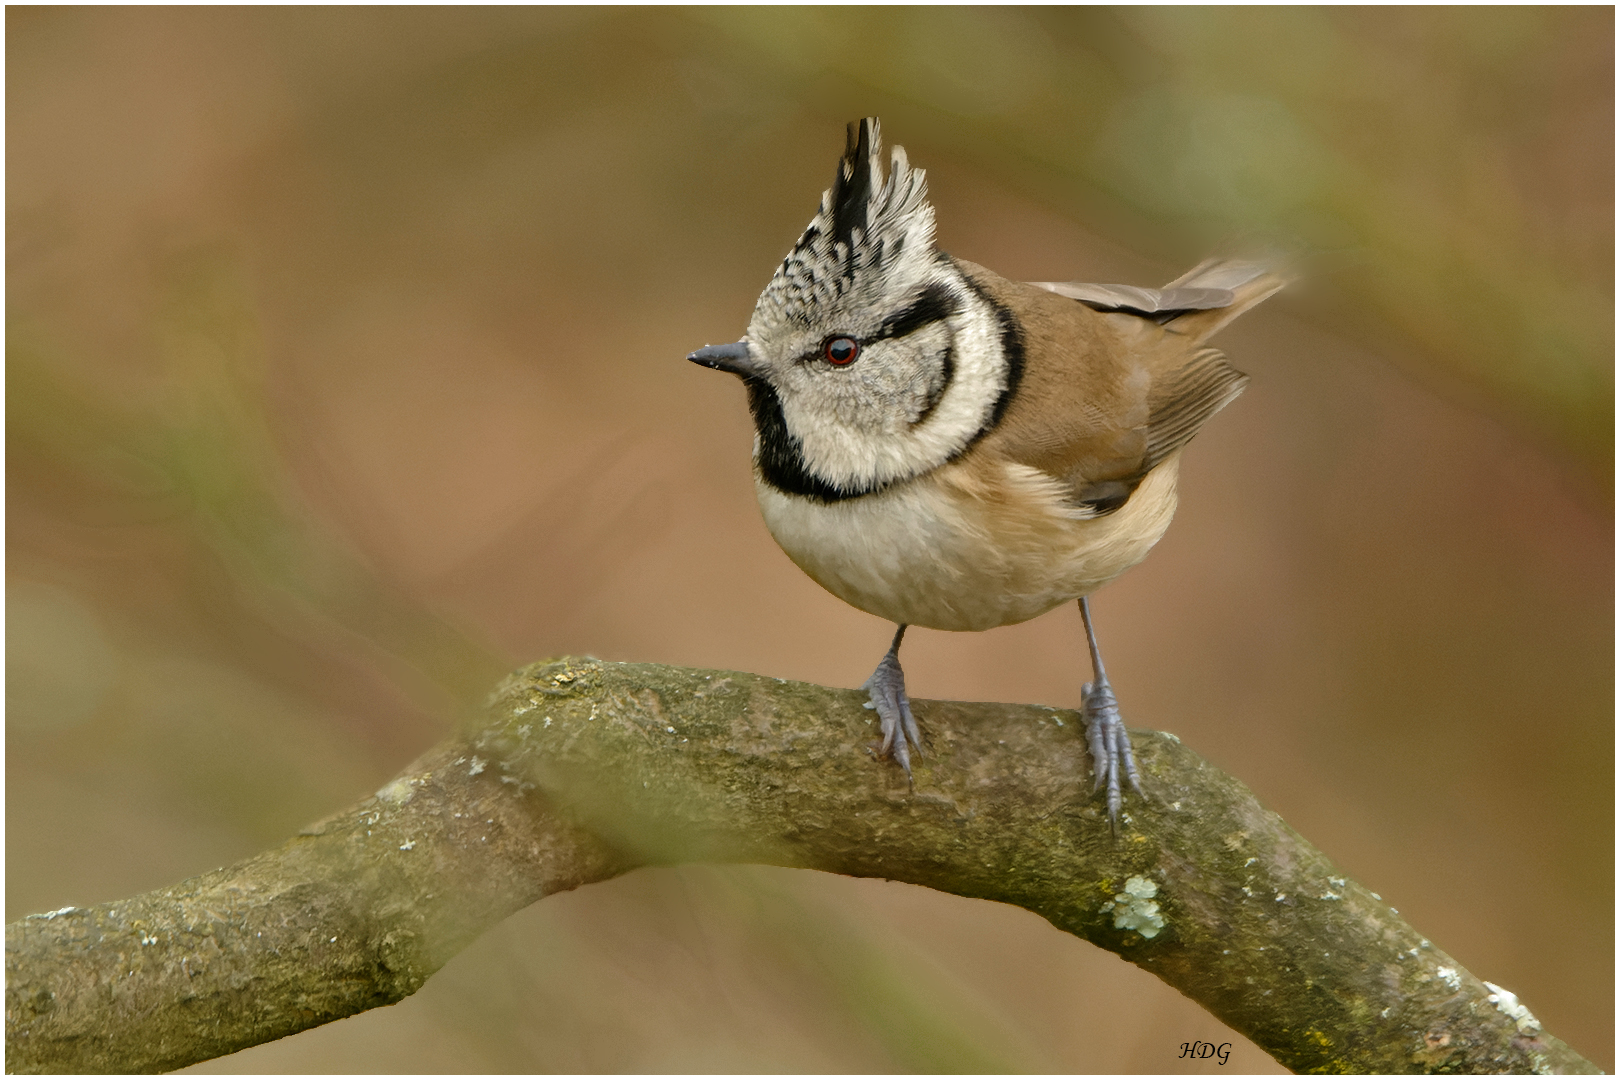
(1116, 396)
(1182, 400)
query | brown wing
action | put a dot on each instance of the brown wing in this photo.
(1182, 399)
(1179, 401)
(1106, 396)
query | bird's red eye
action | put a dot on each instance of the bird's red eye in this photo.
(841, 350)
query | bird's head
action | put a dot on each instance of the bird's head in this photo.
(870, 357)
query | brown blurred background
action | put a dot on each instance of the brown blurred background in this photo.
(345, 370)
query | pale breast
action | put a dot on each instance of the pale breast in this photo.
(977, 544)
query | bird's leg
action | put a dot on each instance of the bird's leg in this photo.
(887, 688)
(1105, 729)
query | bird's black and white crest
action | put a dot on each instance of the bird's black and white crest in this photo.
(932, 362)
(871, 236)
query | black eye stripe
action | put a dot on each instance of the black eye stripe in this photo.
(936, 304)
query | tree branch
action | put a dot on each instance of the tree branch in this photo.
(586, 769)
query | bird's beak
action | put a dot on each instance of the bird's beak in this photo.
(733, 358)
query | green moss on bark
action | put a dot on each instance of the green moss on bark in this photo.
(585, 769)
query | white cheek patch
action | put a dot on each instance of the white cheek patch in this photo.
(866, 447)
(977, 383)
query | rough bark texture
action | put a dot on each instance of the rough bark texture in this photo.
(587, 769)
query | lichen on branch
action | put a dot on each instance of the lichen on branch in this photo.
(583, 770)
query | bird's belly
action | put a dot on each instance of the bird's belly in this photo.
(966, 550)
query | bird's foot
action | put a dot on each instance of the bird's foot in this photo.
(1110, 745)
(887, 689)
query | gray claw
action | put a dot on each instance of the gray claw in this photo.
(887, 689)
(1110, 745)
(1106, 736)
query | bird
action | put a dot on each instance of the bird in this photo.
(940, 446)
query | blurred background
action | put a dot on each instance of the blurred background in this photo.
(345, 371)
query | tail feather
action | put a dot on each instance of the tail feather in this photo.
(1247, 280)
